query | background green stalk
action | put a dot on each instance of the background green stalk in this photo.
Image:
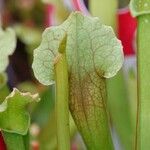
(119, 109)
(143, 56)
(48, 140)
(62, 108)
(106, 10)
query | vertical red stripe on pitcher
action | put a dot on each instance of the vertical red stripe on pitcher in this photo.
(127, 34)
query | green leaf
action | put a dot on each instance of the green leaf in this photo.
(94, 40)
(140, 7)
(13, 115)
(143, 112)
(93, 54)
(7, 46)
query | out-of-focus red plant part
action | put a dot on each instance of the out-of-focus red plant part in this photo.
(79, 5)
(49, 15)
(74, 147)
(34, 132)
(2, 144)
(35, 145)
(127, 30)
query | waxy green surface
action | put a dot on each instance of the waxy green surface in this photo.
(143, 119)
(140, 7)
(62, 107)
(14, 117)
(93, 53)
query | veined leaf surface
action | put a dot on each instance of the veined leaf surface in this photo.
(90, 42)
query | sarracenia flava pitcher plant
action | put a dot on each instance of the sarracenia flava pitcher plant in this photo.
(79, 55)
(141, 10)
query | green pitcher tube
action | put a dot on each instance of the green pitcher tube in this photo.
(117, 97)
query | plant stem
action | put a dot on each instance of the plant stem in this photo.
(14, 141)
(62, 108)
(26, 139)
(143, 57)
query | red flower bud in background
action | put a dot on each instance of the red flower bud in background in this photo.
(127, 29)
